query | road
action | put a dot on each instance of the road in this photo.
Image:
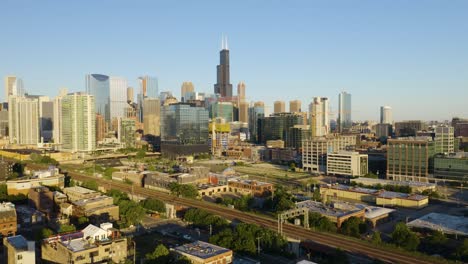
(328, 239)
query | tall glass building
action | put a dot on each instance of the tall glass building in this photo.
(98, 85)
(184, 124)
(256, 112)
(148, 89)
(344, 111)
(118, 96)
(224, 110)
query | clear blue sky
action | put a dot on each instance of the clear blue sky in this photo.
(411, 55)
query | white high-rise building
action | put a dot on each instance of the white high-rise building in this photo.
(386, 115)
(118, 96)
(23, 120)
(57, 126)
(151, 116)
(319, 116)
(9, 85)
(344, 111)
(78, 122)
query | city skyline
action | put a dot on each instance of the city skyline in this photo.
(407, 67)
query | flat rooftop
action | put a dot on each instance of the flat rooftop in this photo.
(18, 242)
(379, 193)
(83, 202)
(335, 210)
(369, 181)
(449, 224)
(202, 249)
(79, 189)
(406, 196)
(249, 182)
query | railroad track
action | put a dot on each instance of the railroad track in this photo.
(289, 230)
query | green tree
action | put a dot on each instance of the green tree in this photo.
(321, 223)
(376, 238)
(351, 227)
(154, 205)
(66, 228)
(461, 252)
(405, 238)
(160, 255)
(184, 190)
(131, 213)
(91, 184)
(117, 195)
(141, 154)
(371, 175)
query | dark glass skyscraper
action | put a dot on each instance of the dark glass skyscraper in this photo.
(223, 85)
(98, 85)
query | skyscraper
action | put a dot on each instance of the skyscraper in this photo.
(184, 124)
(78, 122)
(241, 91)
(58, 116)
(151, 116)
(279, 107)
(118, 96)
(130, 94)
(255, 113)
(223, 85)
(187, 87)
(386, 115)
(295, 106)
(344, 111)
(244, 112)
(23, 116)
(9, 85)
(98, 85)
(319, 116)
(148, 88)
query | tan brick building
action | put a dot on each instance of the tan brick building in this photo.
(8, 220)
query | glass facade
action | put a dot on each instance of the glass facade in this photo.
(222, 109)
(451, 167)
(184, 124)
(344, 111)
(98, 85)
(277, 126)
(255, 113)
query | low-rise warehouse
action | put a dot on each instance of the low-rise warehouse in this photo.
(378, 197)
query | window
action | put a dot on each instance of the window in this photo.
(20, 256)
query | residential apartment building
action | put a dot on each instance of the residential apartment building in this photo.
(90, 245)
(8, 219)
(18, 250)
(200, 252)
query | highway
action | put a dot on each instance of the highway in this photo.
(328, 239)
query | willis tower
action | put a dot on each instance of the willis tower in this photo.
(223, 86)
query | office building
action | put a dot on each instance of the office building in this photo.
(277, 126)
(10, 88)
(3, 123)
(78, 131)
(184, 124)
(319, 116)
(279, 107)
(76, 193)
(386, 115)
(151, 116)
(383, 130)
(347, 163)
(256, 112)
(8, 220)
(223, 110)
(344, 111)
(46, 120)
(452, 166)
(295, 106)
(118, 96)
(18, 250)
(42, 199)
(315, 150)
(100, 128)
(130, 95)
(126, 132)
(185, 91)
(98, 85)
(219, 132)
(444, 139)
(460, 126)
(223, 86)
(409, 128)
(241, 91)
(408, 159)
(200, 252)
(148, 86)
(23, 116)
(296, 135)
(243, 112)
(91, 245)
